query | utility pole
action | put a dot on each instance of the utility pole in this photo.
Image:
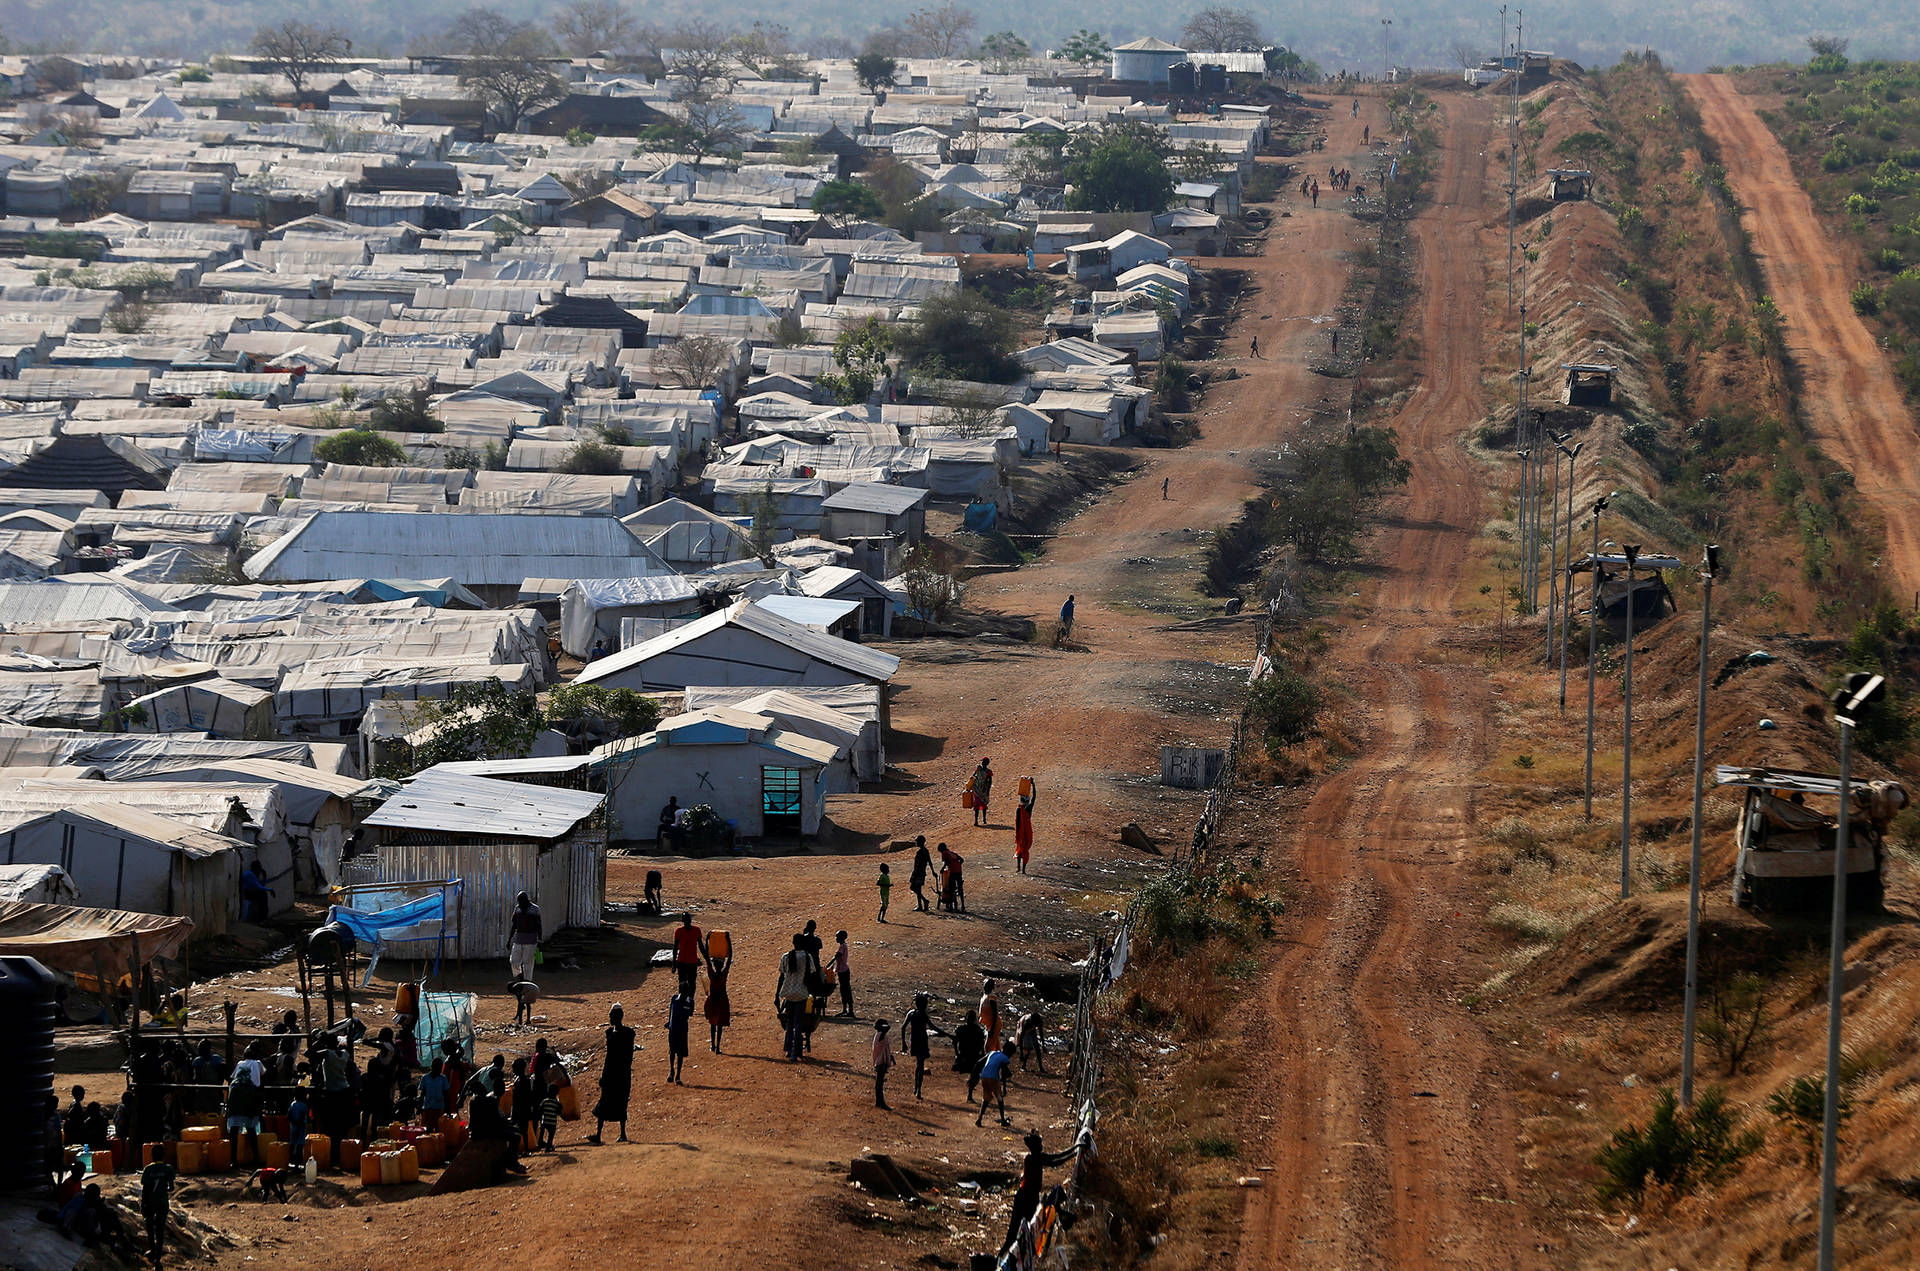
(1708, 567)
(1593, 640)
(1386, 58)
(1632, 552)
(1553, 543)
(1513, 156)
(1861, 691)
(1566, 591)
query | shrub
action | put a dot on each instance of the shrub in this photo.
(405, 412)
(1866, 298)
(577, 137)
(970, 336)
(933, 593)
(1801, 1107)
(591, 459)
(1284, 705)
(1861, 205)
(1736, 1018)
(360, 447)
(196, 75)
(1679, 1149)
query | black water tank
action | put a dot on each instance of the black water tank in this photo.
(1180, 79)
(26, 1072)
(1213, 78)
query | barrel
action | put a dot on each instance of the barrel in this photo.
(26, 1072)
(192, 1158)
(719, 945)
(369, 1169)
(277, 1155)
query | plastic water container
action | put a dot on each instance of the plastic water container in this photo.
(218, 1155)
(369, 1169)
(349, 1154)
(406, 999)
(569, 1103)
(320, 1150)
(245, 1151)
(719, 944)
(409, 1161)
(389, 1167)
(201, 1134)
(276, 1154)
(191, 1158)
(313, 1171)
(26, 1071)
(454, 1131)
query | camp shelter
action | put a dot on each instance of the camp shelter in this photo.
(214, 705)
(319, 806)
(50, 698)
(125, 857)
(687, 536)
(591, 608)
(741, 644)
(100, 945)
(253, 815)
(863, 702)
(499, 838)
(839, 582)
(864, 509)
(41, 884)
(327, 696)
(758, 777)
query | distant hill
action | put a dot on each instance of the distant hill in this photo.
(1423, 34)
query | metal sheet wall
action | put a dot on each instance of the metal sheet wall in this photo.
(568, 882)
(589, 892)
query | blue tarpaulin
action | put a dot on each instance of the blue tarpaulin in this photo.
(403, 921)
(981, 517)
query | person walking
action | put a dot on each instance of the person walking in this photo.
(1256, 346)
(1336, 341)
(550, 1110)
(922, 865)
(1026, 1037)
(1165, 482)
(953, 884)
(1316, 194)
(679, 1020)
(981, 783)
(843, 972)
(792, 995)
(969, 1048)
(1366, 134)
(616, 1076)
(719, 1008)
(156, 1189)
(918, 1030)
(1022, 833)
(990, 1014)
(885, 884)
(993, 1082)
(689, 948)
(1026, 1198)
(1066, 617)
(245, 1097)
(524, 938)
(882, 1063)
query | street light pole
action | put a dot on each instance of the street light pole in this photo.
(1521, 513)
(1593, 640)
(1553, 543)
(1386, 25)
(1566, 592)
(1861, 690)
(1632, 551)
(1709, 567)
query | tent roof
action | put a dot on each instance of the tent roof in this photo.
(862, 661)
(68, 938)
(453, 802)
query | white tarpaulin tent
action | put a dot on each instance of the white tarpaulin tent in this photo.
(591, 609)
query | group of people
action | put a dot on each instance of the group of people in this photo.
(1340, 178)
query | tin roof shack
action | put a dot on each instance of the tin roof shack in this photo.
(1789, 828)
(740, 645)
(761, 779)
(1588, 383)
(1652, 601)
(1570, 184)
(866, 509)
(839, 582)
(126, 858)
(499, 838)
(591, 609)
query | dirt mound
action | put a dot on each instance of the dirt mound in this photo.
(1633, 956)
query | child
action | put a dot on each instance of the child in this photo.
(1027, 1035)
(526, 993)
(843, 972)
(886, 890)
(993, 1082)
(299, 1114)
(882, 1062)
(969, 1047)
(679, 1016)
(435, 1088)
(549, 1118)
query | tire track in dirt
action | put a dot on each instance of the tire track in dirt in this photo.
(1853, 404)
(1391, 1126)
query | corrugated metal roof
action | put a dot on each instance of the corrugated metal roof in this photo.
(889, 500)
(458, 803)
(869, 663)
(474, 548)
(63, 602)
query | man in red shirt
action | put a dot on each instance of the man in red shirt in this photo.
(689, 947)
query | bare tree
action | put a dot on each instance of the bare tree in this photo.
(970, 414)
(700, 54)
(513, 76)
(475, 32)
(1467, 53)
(1222, 30)
(696, 361)
(942, 31)
(587, 27)
(766, 49)
(714, 126)
(298, 49)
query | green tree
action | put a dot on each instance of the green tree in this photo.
(765, 530)
(360, 447)
(1087, 48)
(969, 336)
(481, 720)
(1202, 161)
(875, 71)
(405, 412)
(1003, 49)
(591, 459)
(844, 202)
(593, 714)
(1119, 168)
(861, 354)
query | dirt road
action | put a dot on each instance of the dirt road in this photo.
(1853, 404)
(1390, 1139)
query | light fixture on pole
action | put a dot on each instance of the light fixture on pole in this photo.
(1861, 691)
(1566, 591)
(1593, 640)
(1708, 568)
(1632, 553)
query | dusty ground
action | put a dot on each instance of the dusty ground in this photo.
(1852, 402)
(745, 1164)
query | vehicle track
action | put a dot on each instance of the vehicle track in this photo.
(1393, 1132)
(1852, 402)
